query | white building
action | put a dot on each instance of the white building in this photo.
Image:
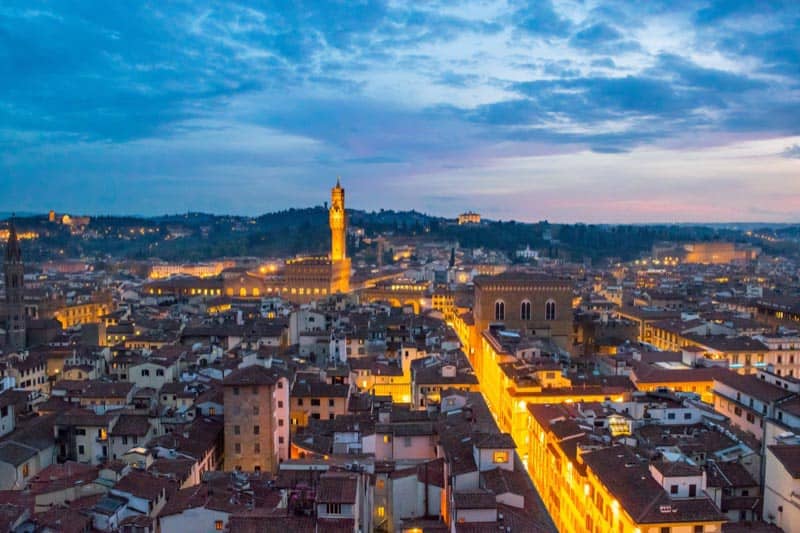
(782, 486)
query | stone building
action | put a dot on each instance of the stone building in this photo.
(312, 278)
(256, 402)
(13, 271)
(536, 305)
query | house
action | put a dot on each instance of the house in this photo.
(207, 507)
(782, 483)
(129, 430)
(314, 399)
(26, 451)
(338, 501)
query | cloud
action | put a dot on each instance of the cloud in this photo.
(602, 38)
(605, 62)
(792, 151)
(540, 18)
(380, 92)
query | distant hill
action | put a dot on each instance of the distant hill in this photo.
(202, 236)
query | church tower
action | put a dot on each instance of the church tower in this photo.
(338, 223)
(15, 289)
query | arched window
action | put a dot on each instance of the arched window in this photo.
(525, 310)
(499, 310)
(550, 310)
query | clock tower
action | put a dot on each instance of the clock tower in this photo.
(338, 223)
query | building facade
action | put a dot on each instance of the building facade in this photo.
(256, 419)
(312, 278)
(13, 271)
(536, 305)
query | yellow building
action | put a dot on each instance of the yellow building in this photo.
(199, 270)
(317, 400)
(589, 487)
(380, 379)
(469, 217)
(83, 313)
(509, 383)
(650, 378)
(717, 253)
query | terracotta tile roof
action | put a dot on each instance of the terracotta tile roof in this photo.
(494, 440)
(273, 524)
(647, 373)
(789, 457)
(501, 481)
(15, 454)
(474, 499)
(729, 474)
(676, 469)
(629, 480)
(11, 516)
(144, 485)
(252, 375)
(60, 476)
(753, 386)
(318, 389)
(336, 525)
(63, 520)
(337, 487)
(136, 425)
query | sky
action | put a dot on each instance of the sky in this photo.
(614, 111)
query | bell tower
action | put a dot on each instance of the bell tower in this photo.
(338, 223)
(14, 274)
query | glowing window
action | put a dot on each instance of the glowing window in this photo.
(500, 457)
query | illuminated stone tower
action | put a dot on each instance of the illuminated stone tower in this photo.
(338, 224)
(13, 270)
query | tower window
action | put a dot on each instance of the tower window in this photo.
(499, 310)
(525, 310)
(550, 310)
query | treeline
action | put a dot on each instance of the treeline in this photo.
(200, 236)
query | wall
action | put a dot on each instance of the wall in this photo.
(197, 520)
(778, 490)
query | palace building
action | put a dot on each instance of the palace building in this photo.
(303, 279)
(311, 278)
(535, 305)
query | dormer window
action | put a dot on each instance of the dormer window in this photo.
(500, 456)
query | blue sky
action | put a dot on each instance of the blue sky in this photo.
(567, 111)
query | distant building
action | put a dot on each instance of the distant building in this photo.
(469, 217)
(717, 253)
(14, 273)
(527, 253)
(312, 278)
(200, 270)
